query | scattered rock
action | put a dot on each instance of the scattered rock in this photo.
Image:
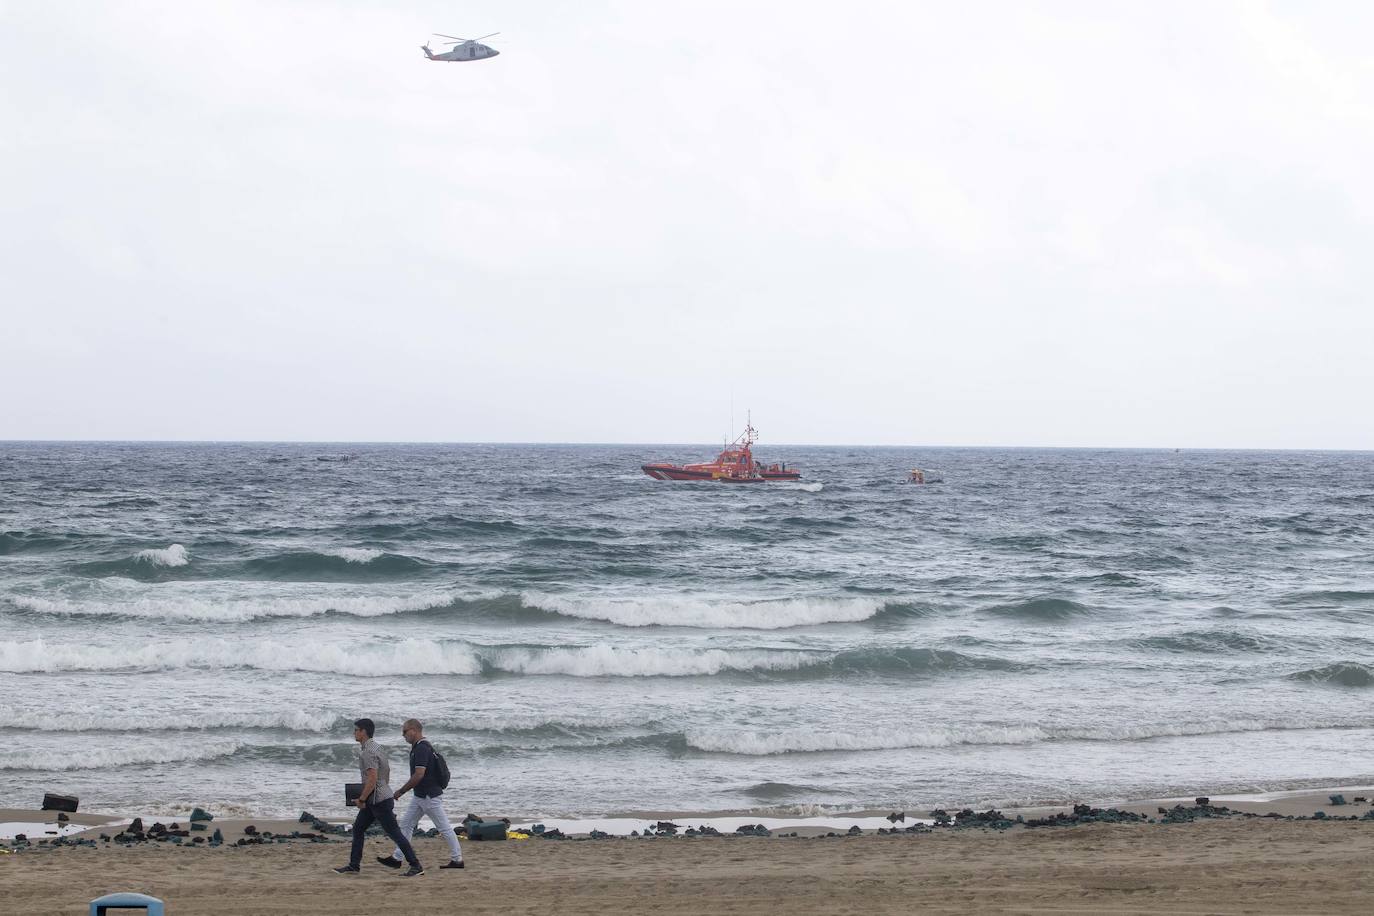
(200, 814)
(1085, 814)
(896, 816)
(1337, 799)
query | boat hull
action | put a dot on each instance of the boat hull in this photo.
(678, 472)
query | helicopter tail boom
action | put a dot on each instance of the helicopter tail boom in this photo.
(428, 53)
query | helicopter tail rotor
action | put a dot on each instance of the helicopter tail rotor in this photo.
(428, 53)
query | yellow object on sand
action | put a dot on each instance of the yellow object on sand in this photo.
(516, 835)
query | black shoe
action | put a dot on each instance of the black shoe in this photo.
(346, 870)
(455, 863)
(388, 862)
(414, 871)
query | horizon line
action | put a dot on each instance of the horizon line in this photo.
(1138, 448)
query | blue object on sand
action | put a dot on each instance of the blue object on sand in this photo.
(150, 905)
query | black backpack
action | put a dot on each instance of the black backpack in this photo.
(439, 768)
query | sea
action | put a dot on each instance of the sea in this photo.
(199, 624)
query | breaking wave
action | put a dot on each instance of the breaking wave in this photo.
(529, 607)
(96, 757)
(425, 656)
(760, 743)
(672, 611)
(172, 555)
(118, 720)
(238, 610)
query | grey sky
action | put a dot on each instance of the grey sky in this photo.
(1020, 224)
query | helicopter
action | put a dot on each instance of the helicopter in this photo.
(464, 48)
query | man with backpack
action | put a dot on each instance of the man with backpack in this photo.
(429, 777)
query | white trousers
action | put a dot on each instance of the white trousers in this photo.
(433, 808)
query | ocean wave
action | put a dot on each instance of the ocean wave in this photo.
(440, 527)
(354, 554)
(171, 556)
(776, 791)
(97, 757)
(238, 610)
(411, 656)
(96, 719)
(425, 656)
(613, 661)
(760, 743)
(333, 564)
(1333, 598)
(1040, 609)
(15, 542)
(1209, 641)
(1341, 674)
(701, 613)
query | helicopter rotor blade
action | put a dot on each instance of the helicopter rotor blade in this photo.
(442, 35)
(484, 37)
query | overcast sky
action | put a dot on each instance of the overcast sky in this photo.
(1008, 223)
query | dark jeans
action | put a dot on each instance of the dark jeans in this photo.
(383, 813)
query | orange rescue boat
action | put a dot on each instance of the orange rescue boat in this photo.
(735, 464)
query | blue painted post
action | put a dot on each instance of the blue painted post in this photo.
(149, 905)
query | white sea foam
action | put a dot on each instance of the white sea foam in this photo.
(758, 744)
(353, 554)
(406, 657)
(104, 757)
(92, 717)
(172, 555)
(879, 738)
(410, 656)
(234, 609)
(676, 611)
(613, 661)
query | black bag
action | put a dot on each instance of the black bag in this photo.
(439, 769)
(53, 802)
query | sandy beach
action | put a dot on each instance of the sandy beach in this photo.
(1223, 865)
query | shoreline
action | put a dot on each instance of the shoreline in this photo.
(1300, 803)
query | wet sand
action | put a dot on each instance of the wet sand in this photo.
(1236, 865)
